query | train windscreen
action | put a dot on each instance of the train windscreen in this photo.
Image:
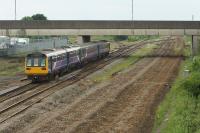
(36, 61)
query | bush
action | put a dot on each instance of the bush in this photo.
(192, 84)
(181, 107)
(141, 37)
(195, 64)
(120, 38)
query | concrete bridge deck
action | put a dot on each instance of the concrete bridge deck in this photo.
(51, 28)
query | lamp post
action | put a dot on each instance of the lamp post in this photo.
(15, 19)
(15, 9)
(132, 18)
(132, 10)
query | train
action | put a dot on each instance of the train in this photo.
(48, 64)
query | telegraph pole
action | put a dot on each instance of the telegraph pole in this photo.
(132, 18)
(132, 10)
(15, 9)
(15, 19)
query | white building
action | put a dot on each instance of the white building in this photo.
(4, 42)
(19, 41)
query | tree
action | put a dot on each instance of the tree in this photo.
(39, 17)
(27, 18)
(120, 38)
(34, 17)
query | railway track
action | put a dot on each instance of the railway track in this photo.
(112, 111)
(15, 91)
(26, 100)
(12, 92)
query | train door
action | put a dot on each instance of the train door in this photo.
(68, 61)
(82, 53)
(50, 64)
(99, 52)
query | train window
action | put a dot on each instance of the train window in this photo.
(29, 62)
(63, 56)
(84, 52)
(58, 58)
(71, 54)
(42, 62)
(54, 59)
(36, 62)
(108, 46)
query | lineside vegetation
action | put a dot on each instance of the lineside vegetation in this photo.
(180, 111)
(125, 63)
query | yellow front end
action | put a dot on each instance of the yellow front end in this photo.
(36, 70)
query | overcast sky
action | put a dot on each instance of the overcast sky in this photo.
(102, 9)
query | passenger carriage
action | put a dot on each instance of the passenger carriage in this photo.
(47, 64)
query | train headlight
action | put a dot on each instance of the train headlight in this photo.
(28, 68)
(43, 68)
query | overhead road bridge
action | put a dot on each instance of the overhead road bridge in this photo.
(86, 28)
(54, 28)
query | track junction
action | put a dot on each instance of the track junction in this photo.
(125, 103)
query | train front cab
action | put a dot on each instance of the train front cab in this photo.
(36, 67)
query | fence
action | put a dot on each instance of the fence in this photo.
(33, 46)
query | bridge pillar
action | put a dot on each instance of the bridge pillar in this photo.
(83, 39)
(195, 45)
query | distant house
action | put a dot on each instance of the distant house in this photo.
(19, 41)
(4, 42)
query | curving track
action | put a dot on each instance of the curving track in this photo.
(15, 102)
(125, 104)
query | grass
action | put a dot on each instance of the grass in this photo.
(124, 64)
(11, 66)
(172, 101)
(21, 54)
(187, 50)
(141, 37)
(98, 38)
(72, 39)
(111, 38)
(178, 111)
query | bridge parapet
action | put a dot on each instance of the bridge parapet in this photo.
(99, 24)
(85, 32)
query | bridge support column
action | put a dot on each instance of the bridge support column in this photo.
(83, 39)
(195, 45)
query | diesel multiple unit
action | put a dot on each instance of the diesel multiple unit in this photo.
(48, 64)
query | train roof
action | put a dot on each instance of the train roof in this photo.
(49, 52)
(60, 51)
(93, 44)
(54, 52)
(72, 49)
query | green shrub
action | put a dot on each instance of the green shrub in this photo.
(120, 38)
(141, 37)
(192, 84)
(195, 64)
